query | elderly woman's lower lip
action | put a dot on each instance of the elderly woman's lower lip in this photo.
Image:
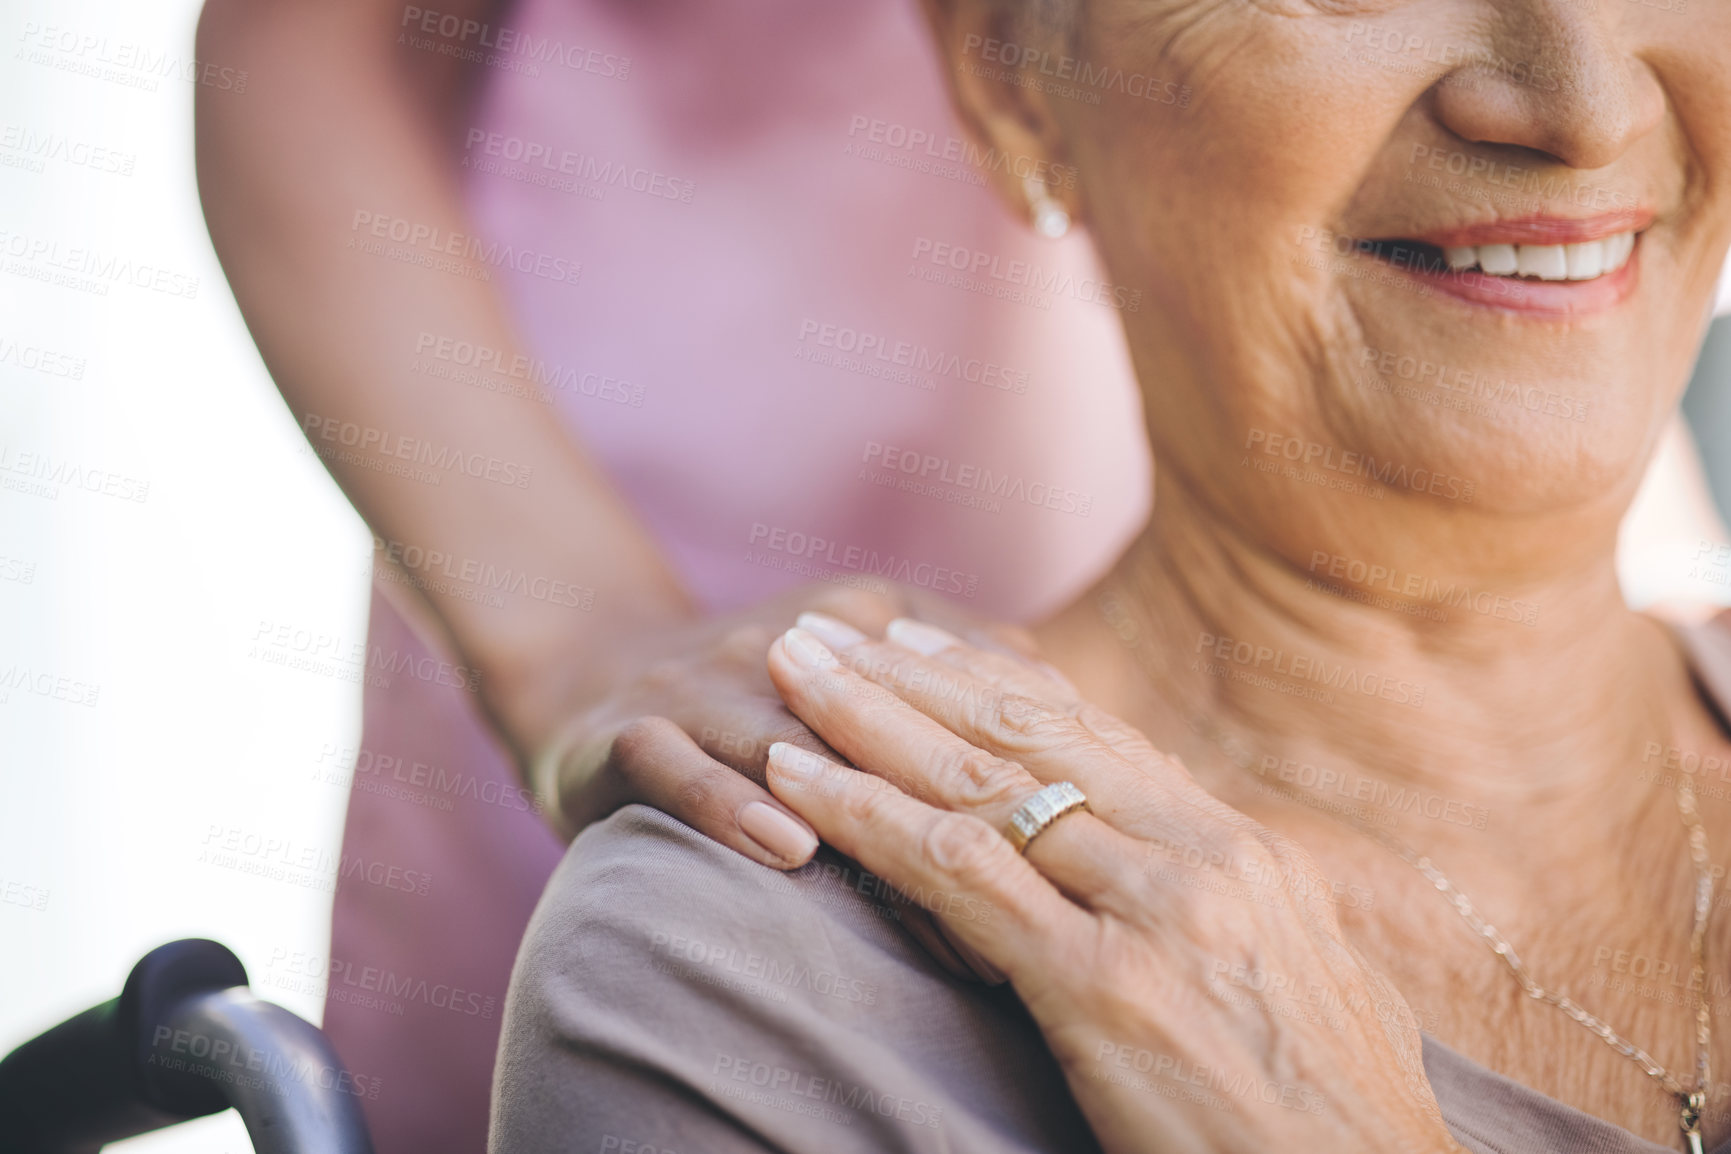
(1535, 297)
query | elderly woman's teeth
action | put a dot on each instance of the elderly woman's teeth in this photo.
(1583, 261)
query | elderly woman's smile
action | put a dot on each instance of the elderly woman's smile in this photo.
(1495, 263)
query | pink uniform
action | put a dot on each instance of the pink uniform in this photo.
(764, 278)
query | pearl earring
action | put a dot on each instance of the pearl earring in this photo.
(1050, 219)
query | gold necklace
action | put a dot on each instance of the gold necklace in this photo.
(1118, 619)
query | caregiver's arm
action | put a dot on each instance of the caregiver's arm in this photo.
(337, 125)
(341, 128)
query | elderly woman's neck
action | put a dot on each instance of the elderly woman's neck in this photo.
(1449, 678)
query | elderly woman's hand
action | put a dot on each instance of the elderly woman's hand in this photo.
(1121, 965)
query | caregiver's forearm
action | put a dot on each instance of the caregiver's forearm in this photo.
(336, 127)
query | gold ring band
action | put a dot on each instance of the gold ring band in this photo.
(1042, 809)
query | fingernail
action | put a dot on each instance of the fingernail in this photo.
(832, 632)
(792, 761)
(920, 637)
(782, 836)
(806, 649)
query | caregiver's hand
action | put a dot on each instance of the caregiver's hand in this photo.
(1113, 959)
(682, 719)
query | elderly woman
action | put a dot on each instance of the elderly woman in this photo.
(1390, 838)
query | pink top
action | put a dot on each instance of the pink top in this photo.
(804, 292)
(807, 342)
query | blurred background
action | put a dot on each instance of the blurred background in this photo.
(160, 514)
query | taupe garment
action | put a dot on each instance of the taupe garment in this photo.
(671, 997)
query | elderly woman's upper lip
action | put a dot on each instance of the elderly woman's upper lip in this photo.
(1540, 229)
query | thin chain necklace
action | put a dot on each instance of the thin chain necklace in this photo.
(1117, 617)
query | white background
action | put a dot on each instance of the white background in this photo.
(108, 807)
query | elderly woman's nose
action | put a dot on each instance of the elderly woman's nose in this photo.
(1554, 77)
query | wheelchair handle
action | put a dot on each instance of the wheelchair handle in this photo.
(185, 1038)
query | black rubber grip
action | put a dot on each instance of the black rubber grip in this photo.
(91, 1079)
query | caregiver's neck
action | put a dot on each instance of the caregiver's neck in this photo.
(1539, 690)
